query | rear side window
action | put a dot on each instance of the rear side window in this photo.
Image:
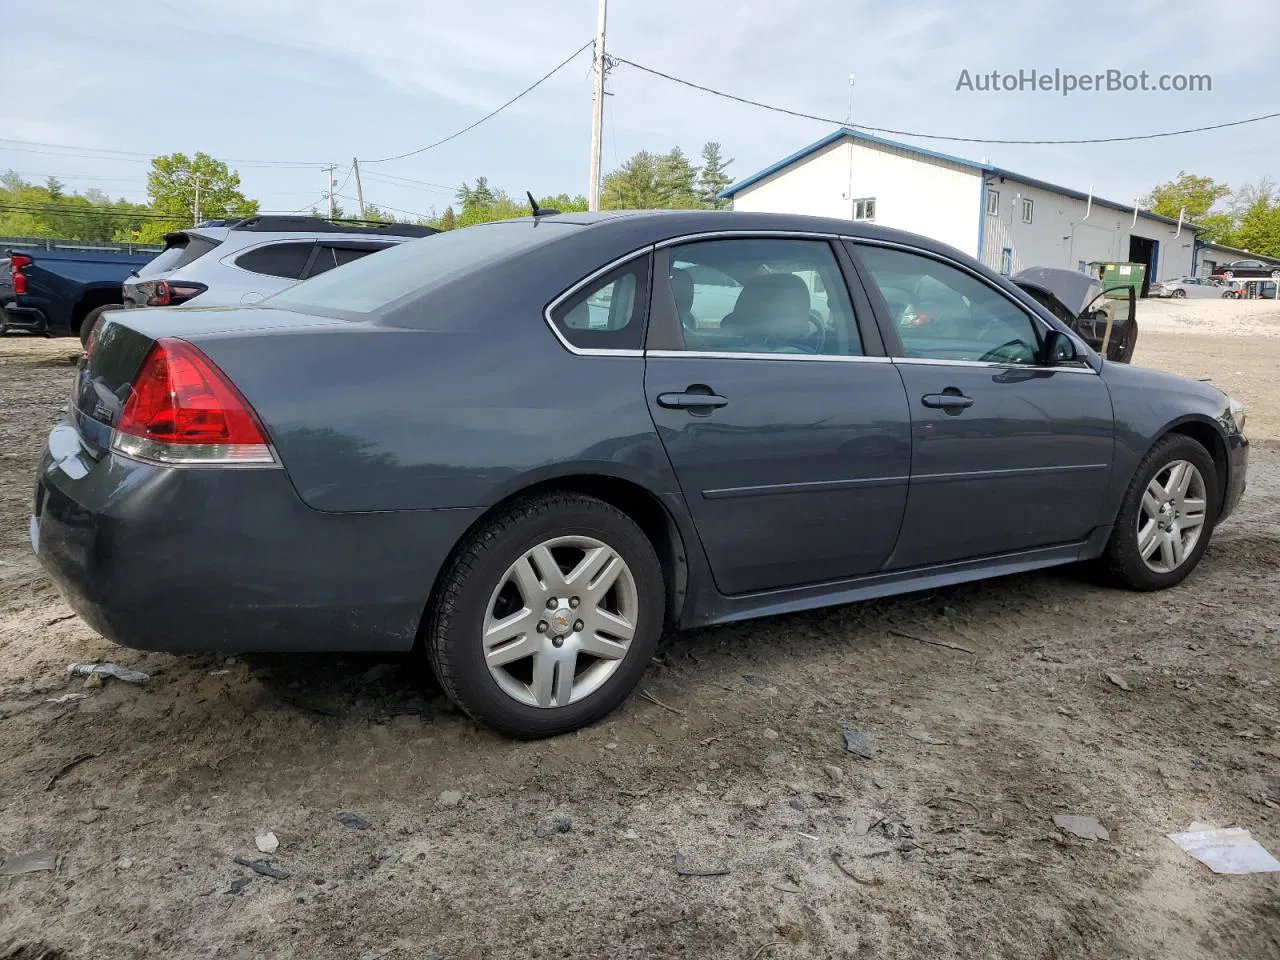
(277, 259)
(330, 256)
(608, 313)
(376, 283)
(181, 250)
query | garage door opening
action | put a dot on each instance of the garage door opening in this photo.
(1144, 250)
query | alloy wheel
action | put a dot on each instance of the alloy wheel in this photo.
(1172, 518)
(560, 621)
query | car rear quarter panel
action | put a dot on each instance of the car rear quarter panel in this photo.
(457, 400)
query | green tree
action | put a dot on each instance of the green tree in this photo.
(55, 187)
(171, 185)
(676, 180)
(448, 220)
(1258, 220)
(1197, 194)
(633, 186)
(713, 177)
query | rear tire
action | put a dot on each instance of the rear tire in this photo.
(1123, 558)
(91, 320)
(490, 582)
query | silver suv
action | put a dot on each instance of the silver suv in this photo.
(228, 264)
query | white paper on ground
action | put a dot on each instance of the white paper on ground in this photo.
(1229, 850)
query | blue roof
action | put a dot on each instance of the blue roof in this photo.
(839, 134)
(843, 132)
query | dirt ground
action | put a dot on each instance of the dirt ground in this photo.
(567, 848)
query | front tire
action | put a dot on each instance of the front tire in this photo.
(1166, 519)
(548, 616)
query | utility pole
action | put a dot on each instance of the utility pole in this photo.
(597, 114)
(196, 211)
(355, 166)
(329, 170)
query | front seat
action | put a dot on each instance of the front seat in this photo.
(771, 308)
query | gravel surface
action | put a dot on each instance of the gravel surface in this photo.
(407, 832)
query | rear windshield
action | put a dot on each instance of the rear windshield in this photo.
(182, 249)
(372, 283)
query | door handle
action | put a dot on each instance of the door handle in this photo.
(691, 400)
(947, 401)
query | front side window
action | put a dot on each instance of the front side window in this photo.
(763, 296)
(943, 313)
(608, 313)
(285, 260)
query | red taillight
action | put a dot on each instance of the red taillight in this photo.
(16, 262)
(162, 293)
(184, 410)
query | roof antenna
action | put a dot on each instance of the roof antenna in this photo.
(537, 210)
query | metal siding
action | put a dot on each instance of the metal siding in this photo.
(1059, 236)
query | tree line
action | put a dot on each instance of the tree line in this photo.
(1247, 218)
(27, 209)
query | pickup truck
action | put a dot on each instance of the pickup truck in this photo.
(61, 292)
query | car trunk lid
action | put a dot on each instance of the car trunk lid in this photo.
(121, 344)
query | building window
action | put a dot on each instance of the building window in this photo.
(1028, 207)
(864, 209)
(1006, 261)
(993, 203)
(1082, 266)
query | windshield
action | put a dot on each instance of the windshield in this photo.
(381, 279)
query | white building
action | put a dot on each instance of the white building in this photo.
(1006, 220)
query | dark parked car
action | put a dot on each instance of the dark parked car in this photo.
(1247, 270)
(57, 292)
(524, 447)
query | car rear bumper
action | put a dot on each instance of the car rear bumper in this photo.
(209, 559)
(1237, 474)
(31, 319)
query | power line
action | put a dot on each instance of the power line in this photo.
(433, 188)
(425, 183)
(936, 136)
(74, 176)
(131, 156)
(546, 76)
(386, 206)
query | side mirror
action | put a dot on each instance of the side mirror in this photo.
(1059, 348)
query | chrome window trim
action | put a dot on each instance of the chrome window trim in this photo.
(1044, 327)
(621, 261)
(727, 355)
(746, 234)
(994, 364)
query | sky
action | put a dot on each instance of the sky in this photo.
(309, 82)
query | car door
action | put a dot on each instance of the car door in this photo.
(1007, 453)
(786, 424)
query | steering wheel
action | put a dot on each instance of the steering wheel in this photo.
(817, 337)
(996, 354)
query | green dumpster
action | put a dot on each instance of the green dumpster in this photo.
(1118, 274)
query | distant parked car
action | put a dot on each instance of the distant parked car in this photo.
(1247, 270)
(63, 291)
(509, 448)
(1182, 287)
(242, 262)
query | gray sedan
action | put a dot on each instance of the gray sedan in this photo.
(1187, 287)
(524, 448)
